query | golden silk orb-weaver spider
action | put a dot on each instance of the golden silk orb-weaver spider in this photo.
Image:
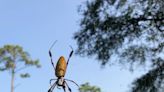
(60, 71)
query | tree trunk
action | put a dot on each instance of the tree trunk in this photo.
(12, 80)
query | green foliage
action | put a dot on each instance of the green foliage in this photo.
(11, 55)
(103, 33)
(133, 32)
(14, 59)
(88, 88)
(26, 75)
(152, 81)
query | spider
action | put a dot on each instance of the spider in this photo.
(60, 71)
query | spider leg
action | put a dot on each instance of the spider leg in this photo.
(73, 82)
(52, 80)
(64, 87)
(70, 55)
(52, 87)
(50, 54)
(67, 86)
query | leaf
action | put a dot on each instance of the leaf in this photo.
(88, 88)
(25, 75)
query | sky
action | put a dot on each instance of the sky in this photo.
(35, 25)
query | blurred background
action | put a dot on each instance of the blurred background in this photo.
(36, 24)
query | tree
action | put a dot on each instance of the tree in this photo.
(14, 59)
(88, 88)
(131, 31)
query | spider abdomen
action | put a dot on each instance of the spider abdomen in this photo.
(61, 67)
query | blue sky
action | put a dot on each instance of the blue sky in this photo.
(34, 25)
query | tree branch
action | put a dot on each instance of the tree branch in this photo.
(22, 68)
